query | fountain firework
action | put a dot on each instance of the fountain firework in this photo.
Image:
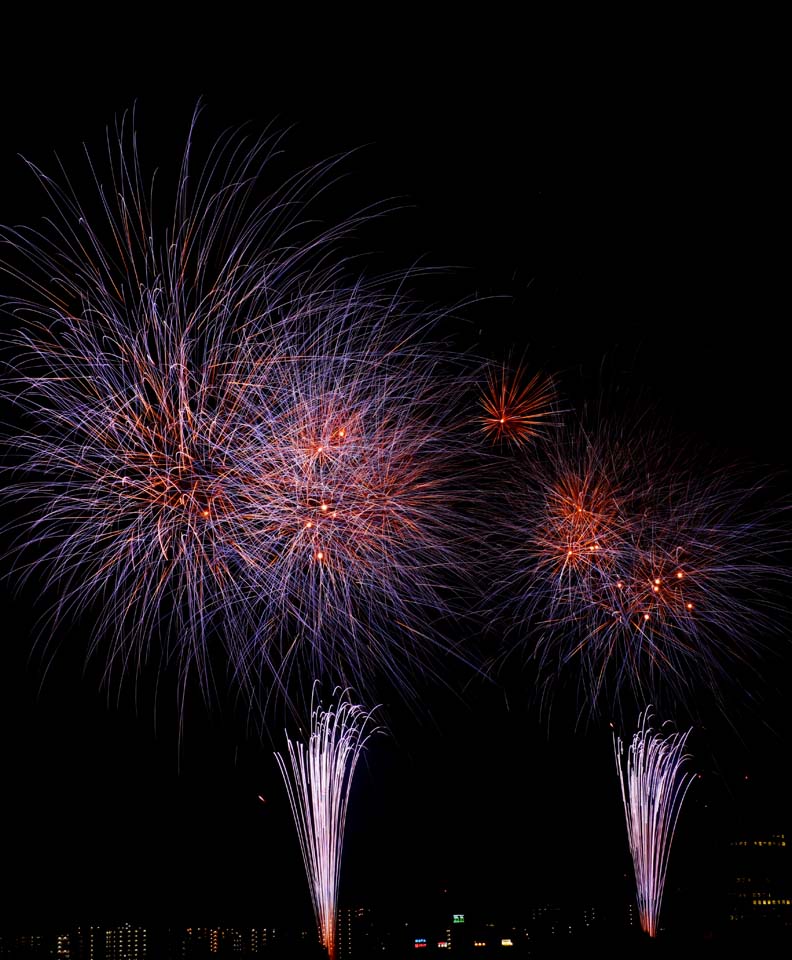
(318, 778)
(653, 786)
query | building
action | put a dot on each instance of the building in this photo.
(88, 943)
(216, 942)
(28, 945)
(256, 940)
(357, 938)
(125, 943)
(760, 875)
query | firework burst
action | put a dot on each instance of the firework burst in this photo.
(514, 410)
(216, 433)
(642, 574)
(318, 778)
(653, 786)
(350, 519)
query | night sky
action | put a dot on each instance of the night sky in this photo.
(624, 237)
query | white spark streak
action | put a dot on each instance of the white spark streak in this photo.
(318, 779)
(653, 786)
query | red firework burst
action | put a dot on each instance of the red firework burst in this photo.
(516, 411)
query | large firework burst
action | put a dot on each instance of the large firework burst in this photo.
(318, 777)
(644, 572)
(653, 786)
(216, 432)
(351, 518)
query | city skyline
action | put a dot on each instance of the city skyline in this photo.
(750, 905)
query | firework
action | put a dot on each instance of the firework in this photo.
(515, 411)
(653, 785)
(219, 435)
(642, 573)
(351, 519)
(318, 778)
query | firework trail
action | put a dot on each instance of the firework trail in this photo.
(318, 778)
(653, 786)
(217, 433)
(644, 572)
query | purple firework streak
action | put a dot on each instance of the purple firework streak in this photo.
(653, 786)
(216, 433)
(318, 778)
(643, 572)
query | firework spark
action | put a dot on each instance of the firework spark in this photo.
(515, 411)
(219, 434)
(318, 778)
(653, 786)
(644, 573)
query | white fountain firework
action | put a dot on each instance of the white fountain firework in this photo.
(653, 786)
(318, 778)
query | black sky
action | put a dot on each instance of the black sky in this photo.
(623, 235)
